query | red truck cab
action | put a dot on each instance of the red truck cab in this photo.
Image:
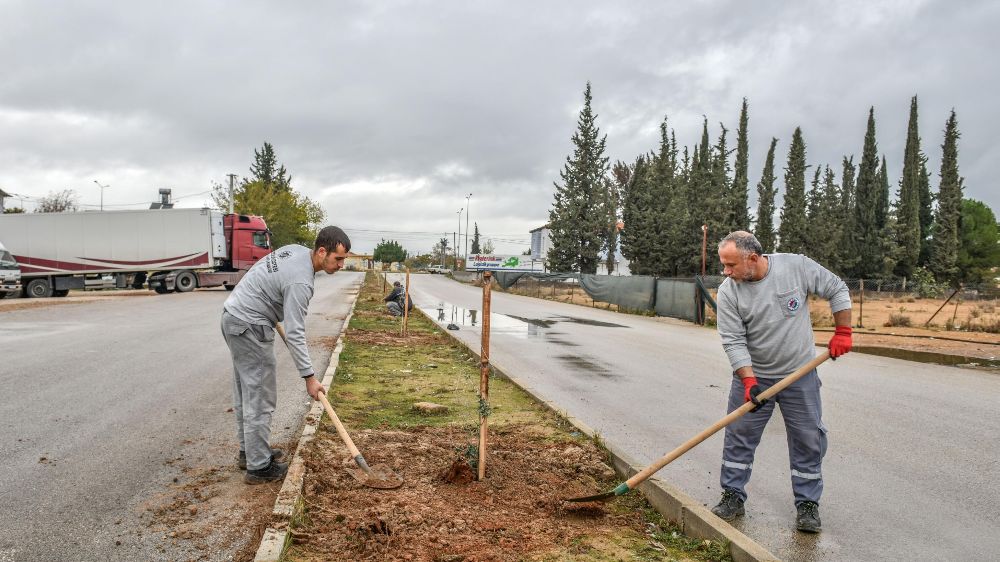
(248, 240)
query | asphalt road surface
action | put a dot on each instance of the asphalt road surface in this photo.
(109, 407)
(912, 468)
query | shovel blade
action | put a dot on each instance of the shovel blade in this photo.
(380, 478)
(618, 491)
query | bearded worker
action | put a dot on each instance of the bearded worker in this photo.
(766, 332)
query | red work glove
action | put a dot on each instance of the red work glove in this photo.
(840, 343)
(750, 392)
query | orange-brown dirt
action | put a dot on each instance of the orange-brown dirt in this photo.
(516, 512)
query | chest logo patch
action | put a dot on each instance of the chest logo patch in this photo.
(793, 304)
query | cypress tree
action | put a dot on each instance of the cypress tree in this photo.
(908, 202)
(814, 228)
(792, 230)
(475, 239)
(766, 191)
(680, 214)
(720, 212)
(829, 225)
(577, 219)
(267, 170)
(848, 259)
(636, 212)
(866, 245)
(926, 213)
(887, 225)
(739, 196)
(944, 258)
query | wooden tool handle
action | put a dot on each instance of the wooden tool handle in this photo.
(340, 427)
(733, 416)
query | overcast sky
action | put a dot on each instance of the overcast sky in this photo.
(390, 113)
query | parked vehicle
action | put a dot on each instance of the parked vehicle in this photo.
(10, 274)
(172, 249)
(438, 269)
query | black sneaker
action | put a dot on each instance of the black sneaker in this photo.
(274, 472)
(807, 519)
(241, 459)
(730, 506)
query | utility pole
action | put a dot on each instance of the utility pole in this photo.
(102, 193)
(467, 209)
(232, 178)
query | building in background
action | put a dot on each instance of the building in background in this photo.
(3, 195)
(541, 242)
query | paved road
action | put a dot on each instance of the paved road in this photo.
(911, 472)
(107, 404)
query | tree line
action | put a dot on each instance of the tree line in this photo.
(848, 221)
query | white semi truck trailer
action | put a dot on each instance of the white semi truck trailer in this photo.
(171, 249)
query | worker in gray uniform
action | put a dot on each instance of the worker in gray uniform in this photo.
(276, 289)
(766, 331)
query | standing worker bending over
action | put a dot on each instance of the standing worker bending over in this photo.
(766, 331)
(276, 289)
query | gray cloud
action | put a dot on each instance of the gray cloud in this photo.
(390, 114)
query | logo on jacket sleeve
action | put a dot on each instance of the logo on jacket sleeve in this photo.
(793, 304)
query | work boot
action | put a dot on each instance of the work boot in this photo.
(271, 473)
(807, 519)
(241, 459)
(730, 506)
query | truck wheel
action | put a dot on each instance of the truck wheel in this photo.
(185, 282)
(60, 292)
(229, 287)
(38, 288)
(138, 280)
(161, 290)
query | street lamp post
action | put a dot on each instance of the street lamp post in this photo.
(102, 193)
(458, 238)
(467, 207)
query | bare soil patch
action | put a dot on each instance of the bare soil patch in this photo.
(515, 512)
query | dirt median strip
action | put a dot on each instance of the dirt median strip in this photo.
(442, 512)
(673, 504)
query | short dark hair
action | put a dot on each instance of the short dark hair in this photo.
(397, 284)
(331, 237)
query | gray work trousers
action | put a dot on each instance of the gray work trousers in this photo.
(802, 411)
(255, 386)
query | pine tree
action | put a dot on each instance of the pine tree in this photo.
(578, 217)
(944, 258)
(792, 230)
(908, 227)
(739, 196)
(866, 245)
(475, 239)
(267, 170)
(765, 203)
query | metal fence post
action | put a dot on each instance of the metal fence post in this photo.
(861, 310)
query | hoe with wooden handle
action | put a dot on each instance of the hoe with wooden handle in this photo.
(378, 477)
(670, 457)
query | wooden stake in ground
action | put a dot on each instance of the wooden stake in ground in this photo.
(484, 374)
(406, 303)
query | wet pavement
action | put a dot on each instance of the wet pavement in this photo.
(911, 469)
(108, 405)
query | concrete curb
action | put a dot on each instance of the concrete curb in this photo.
(275, 540)
(694, 519)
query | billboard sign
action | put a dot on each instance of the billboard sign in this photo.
(494, 262)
